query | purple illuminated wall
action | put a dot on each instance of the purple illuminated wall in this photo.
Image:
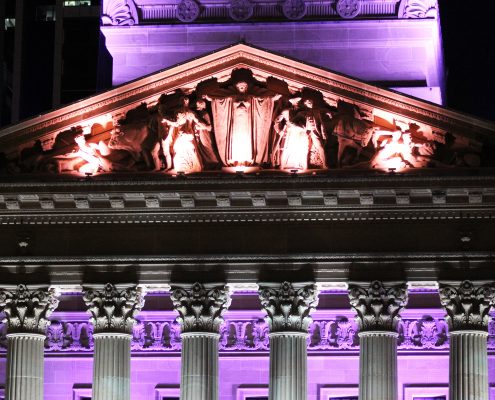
(397, 52)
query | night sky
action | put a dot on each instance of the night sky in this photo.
(468, 29)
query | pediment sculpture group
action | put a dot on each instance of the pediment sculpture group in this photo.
(242, 124)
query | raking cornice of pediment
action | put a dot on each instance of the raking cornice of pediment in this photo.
(466, 139)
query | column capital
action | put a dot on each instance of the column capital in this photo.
(467, 305)
(200, 306)
(27, 309)
(288, 305)
(377, 305)
(113, 308)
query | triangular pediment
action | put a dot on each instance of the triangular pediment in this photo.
(145, 126)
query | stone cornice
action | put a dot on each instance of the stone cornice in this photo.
(27, 309)
(248, 199)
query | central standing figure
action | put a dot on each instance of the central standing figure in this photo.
(242, 115)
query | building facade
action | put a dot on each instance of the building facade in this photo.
(246, 225)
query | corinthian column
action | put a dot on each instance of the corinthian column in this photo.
(377, 308)
(468, 308)
(26, 311)
(113, 310)
(288, 306)
(200, 309)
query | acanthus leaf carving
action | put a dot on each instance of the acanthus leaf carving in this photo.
(200, 307)
(288, 308)
(418, 9)
(378, 306)
(467, 305)
(27, 310)
(119, 12)
(339, 334)
(113, 309)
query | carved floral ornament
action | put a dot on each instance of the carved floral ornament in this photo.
(27, 310)
(200, 307)
(420, 334)
(288, 309)
(378, 306)
(113, 309)
(467, 305)
(418, 9)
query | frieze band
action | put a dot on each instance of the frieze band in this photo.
(424, 334)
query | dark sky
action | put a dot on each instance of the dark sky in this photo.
(468, 29)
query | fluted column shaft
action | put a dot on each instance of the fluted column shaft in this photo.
(288, 366)
(200, 307)
(112, 366)
(199, 376)
(25, 366)
(113, 309)
(468, 365)
(468, 307)
(378, 365)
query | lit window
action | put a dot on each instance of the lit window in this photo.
(77, 3)
(9, 23)
(45, 13)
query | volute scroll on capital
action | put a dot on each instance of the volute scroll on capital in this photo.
(27, 310)
(288, 305)
(467, 305)
(200, 306)
(378, 306)
(113, 308)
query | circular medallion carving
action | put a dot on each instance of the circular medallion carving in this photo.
(241, 10)
(348, 8)
(294, 9)
(187, 11)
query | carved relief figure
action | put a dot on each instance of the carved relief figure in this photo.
(242, 114)
(352, 131)
(134, 135)
(185, 152)
(206, 139)
(300, 139)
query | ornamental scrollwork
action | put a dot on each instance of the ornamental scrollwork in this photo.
(418, 9)
(288, 308)
(378, 306)
(27, 310)
(113, 309)
(200, 308)
(339, 334)
(467, 305)
(119, 12)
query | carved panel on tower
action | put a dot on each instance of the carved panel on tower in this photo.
(119, 12)
(468, 305)
(27, 310)
(378, 306)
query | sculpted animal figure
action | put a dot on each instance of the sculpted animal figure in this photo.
(134, 135)
(351, 130)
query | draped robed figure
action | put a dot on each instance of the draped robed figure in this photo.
(242, 115)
